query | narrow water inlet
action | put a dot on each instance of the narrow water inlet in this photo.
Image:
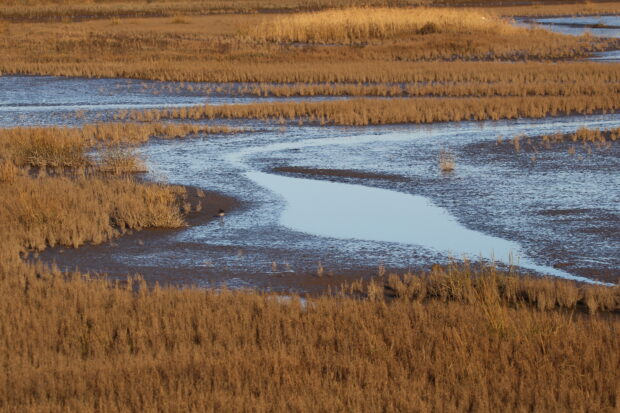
(600, 26)
(348, 211)
(379, 228)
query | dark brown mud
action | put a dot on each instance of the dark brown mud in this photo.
(339, 173)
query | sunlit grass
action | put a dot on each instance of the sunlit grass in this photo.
(362, 112)
(438, 340)
(362, 24)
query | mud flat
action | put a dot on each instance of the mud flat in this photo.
(309, 206)
(496, 194)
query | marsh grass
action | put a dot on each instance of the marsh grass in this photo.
(41, 148)
(469, 282)
(363, 24)
(549, 86)
(64, 147)
(56, 188)
(473, 341)
(599, 139)
(8, 171)
(41, 212)
(180, 19)
(120, 160)
(72, 10)
(360, 112)
(456, 338)
(210, 49)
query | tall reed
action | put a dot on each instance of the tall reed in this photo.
(391, 111)
(76, 343)
(363, 24)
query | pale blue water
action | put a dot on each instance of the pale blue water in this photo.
(569, 25)
(493, 205)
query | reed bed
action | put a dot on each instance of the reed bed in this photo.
(363, 24)
(209, 48)
(456, 338)
(514, 87)
(66, 147)
(392, 111)
(70, 10)
(76, 343)
(50, 11)
(470, 282)
(413, 80)
(56, 190)
(585, 135)
(555, 8)
(119, 160)
(44, 211)
(345, 72)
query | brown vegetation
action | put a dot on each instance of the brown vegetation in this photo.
(470, 343)
(37, 212)
(391, 111)
(599, 139)
(456, 338)
(362, 24)
(63, 147)
(585, 135)
(56, 192)
(119, 160)
(555, 8)
(471, 283)
(214, 48)
(71, 10)
(513, 87)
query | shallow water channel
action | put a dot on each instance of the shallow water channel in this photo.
(340, 201)
(556, 215)
(602, 26)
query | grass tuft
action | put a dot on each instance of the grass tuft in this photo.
(447, 161)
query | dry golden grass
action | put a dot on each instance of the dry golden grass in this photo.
(565, 76)
(68, 10)
(8, 171)
(180, 19)
(78, 203)
(597, 139)
(363, 24)
(71, 343)
(210, 48)
(552, 85)
(457, 79)
(63, 147)
(468, 283)
(43, 148)
(45, 211)
(391, 111)
(120, 160)
(459, 338)
(585, 135)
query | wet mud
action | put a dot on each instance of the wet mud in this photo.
(338, 173)
(558, 209)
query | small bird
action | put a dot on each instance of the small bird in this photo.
(221, 213)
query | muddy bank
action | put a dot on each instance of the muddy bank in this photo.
(543, 205)
(201, 207)
(338, 173)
